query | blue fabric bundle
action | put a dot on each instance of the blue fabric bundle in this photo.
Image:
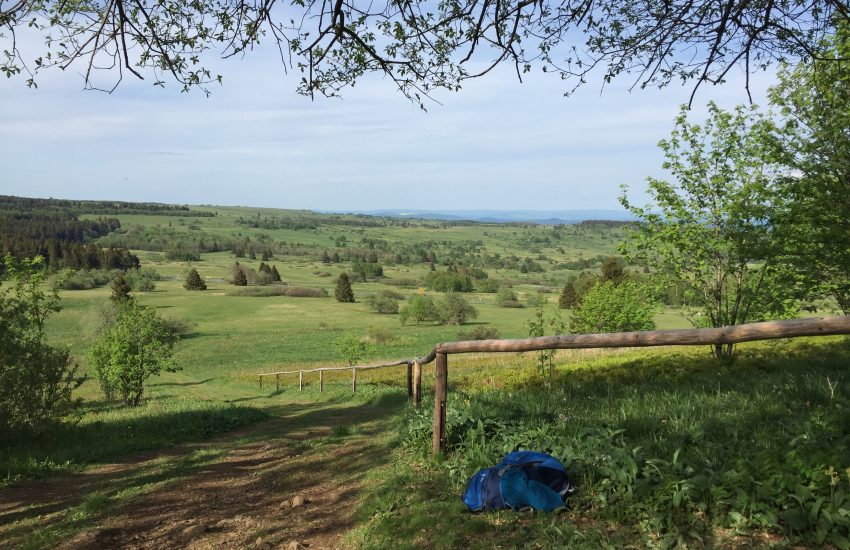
(522, 479)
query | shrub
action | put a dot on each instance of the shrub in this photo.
(395, 295)
(447, 281)
(182, 254)
(352, 348)
(194, 281)
(419, 309)
(382, 304)
(87, 279)
(304, 292)
(142, 280)
(380, 335)
(404, 283)
(455, 310)
(364, 271)
(610, 307)
(479, 333)
(137, 346)
(36, 379)
(488, 286)
(507, 298)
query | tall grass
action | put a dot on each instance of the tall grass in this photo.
(668, 448)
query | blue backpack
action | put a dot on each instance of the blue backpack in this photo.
(522, 479)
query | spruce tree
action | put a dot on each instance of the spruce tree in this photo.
(569, 297)
(120, 289)
(343, 291)
(194, 281)
(275, 274)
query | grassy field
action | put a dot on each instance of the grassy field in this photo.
(668, 447)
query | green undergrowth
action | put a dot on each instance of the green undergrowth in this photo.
(667, 448)
(107, 432)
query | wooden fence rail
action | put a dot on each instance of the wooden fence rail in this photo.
(813, 326)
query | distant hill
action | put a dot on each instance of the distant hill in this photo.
(507, 216)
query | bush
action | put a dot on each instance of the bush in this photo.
(479, 333)
(303, 292)
(137, 346)
(611, 307)
(87, 279)
(488, 286)
(182, 254)
(290, 291)
(36, 379)
(366, 271)
(382, 304)
(142, 280)
(455, 310)
(419, 309)
(194, 281)
(380, 335)
(507, 298)
(404, 283)
(352, 348)
(395, 295)
(447, 281)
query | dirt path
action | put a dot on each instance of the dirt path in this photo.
(291, 482)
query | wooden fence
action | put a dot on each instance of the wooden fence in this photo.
(814, 326)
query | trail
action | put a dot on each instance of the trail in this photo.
(286, 483)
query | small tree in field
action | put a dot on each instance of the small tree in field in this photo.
(352, 348)
(455, 310)
(614, 270)
(343, 291)
(194, 281)
(237, 275)
(609, 307)
(538, 326)
(138, 345)
(275, 274)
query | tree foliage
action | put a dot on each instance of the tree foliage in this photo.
(568, 298)
(420, 46)
(455, 310)
(708, 230)
(352, 348)
(419, 309)
(137, 345)
(611, 307)
(36, 379)
(814, 143)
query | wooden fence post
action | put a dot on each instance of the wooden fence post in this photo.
(277, 382)
(441, 380)
(409, 381)
(321, 380)
(260, 378)
(417, 384)
(300, 380)
(354, 379)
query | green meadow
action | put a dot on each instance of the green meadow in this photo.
(668, 447)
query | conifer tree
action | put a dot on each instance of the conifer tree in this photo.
(120, 289)
(275, 274)
(343, 291)
(240, 279)
(194, 281)
(569, 297)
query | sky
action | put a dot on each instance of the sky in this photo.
(497, 144)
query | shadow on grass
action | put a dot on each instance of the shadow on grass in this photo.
(194, 383)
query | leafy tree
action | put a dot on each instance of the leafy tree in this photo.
(614, 270)
(538, 326)
(36, 379)
(419, 309)
(568, 298)
(137, 346)
(120, 289)
(422, 46)
(352, 348)
(447, 281)
(709, 231)
(609, 307)
(814, 224)
(455, 310)
(194, 281)
(382, 304)
(343, 291)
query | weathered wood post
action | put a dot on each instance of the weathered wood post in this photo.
(277, 382)
(409, 380)
(261, 381)
(417, 384)
(354, 379)
(300, 380)
(321, 380)
(441, 380)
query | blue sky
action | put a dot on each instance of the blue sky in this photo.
(497, 144)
